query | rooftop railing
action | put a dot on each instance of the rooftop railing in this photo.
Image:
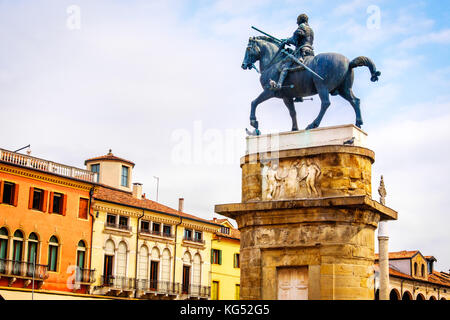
(48, 166)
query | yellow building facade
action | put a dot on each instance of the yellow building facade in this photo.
(141, 248)
(225, 260)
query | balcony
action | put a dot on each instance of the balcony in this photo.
(118, 283)
(196, 291)
(85, 276)
(158, 287)
(156, 233)
(118, 226)
(23, 270)
(47, 166)
(193, 239)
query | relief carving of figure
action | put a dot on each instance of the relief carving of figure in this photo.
(309, 172)
(275, 177)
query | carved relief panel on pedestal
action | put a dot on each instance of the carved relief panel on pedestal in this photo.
(291, 179)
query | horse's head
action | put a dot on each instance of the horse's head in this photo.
(252, 54)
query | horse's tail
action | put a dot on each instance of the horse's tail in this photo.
(366, 62)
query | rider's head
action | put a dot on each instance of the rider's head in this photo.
(303, 18)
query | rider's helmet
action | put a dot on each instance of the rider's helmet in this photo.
(303, 18)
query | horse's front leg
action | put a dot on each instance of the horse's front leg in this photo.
(265, 95)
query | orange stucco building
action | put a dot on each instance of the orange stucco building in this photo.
(45, 224)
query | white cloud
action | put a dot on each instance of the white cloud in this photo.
(440, 37)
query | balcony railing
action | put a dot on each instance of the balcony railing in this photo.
(193, 239)
(23, 269)
(194, 290)
(44, 165)
(118, 226)
(157, 233)
(85, 275)
(162, 287)
(118, 282)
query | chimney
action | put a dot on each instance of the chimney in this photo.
(137, 190)
(180, 204)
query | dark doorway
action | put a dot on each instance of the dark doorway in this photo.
(186, 277)
(108, 269)
(154, 275)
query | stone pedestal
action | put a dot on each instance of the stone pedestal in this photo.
(307, 219)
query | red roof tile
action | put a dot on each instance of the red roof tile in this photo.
(108, 157)
(399, 255)
(126, 198)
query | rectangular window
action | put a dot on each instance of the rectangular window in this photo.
(52, 258)
(237, 262)
(167, 230)
(156, 227)
(57, 203)
(111, 220)
(83, 208)
(188, 234)
(96, 169)
(198, 236)
(216, 256)
(8, 193)
(125, 176)
(123, 222)
(145, 225)
(225, 230)
(38, 199)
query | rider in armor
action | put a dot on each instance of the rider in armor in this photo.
(302, 39)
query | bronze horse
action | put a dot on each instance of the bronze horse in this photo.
(335, 69)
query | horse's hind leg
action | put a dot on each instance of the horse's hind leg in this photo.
(289, 102)
(347, 94)
(325, 99)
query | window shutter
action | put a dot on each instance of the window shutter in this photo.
(1, 191)
(50, 205)
(64, 206)
(212, 256)
(234, 260)
(220, 256)
(16, 195)
(30, 199)
(44, 201)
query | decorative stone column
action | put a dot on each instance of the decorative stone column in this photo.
(383, 241)
(307, 209)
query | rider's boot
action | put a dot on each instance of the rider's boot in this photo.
(277, 85)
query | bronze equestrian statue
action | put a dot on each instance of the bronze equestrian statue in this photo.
(301, 73)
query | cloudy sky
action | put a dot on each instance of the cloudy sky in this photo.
(160, 83)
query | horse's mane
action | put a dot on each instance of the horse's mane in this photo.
(268, 39)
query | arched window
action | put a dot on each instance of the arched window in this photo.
(17, 251)
(186, 282)
(432, 298)
(3, 245)
(415, 268)
(165, 265)
(154, 269)
(81, 254)
(143, 263)
(109, 261)
(423, 270)
(196, 270)
(32, 248)
(122, 259)
(53, 247)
